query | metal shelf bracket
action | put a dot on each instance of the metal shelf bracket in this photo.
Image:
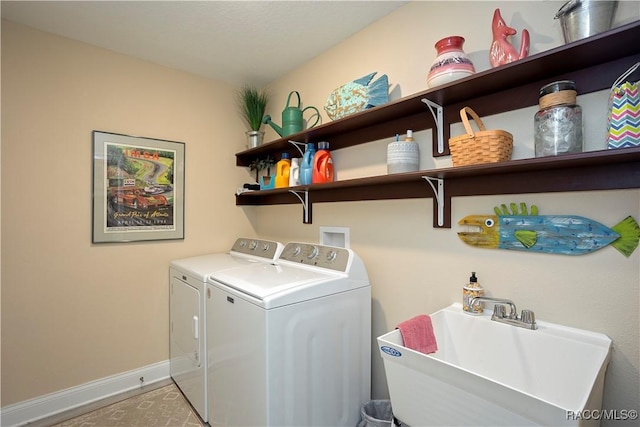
(298, 145)
(439, 196)
(306, 205)
(438, 116)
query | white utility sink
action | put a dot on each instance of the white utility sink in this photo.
(487, 373)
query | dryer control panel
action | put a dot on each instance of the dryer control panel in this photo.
(330, 257)
(256, 247)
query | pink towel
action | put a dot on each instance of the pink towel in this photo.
(417, 334)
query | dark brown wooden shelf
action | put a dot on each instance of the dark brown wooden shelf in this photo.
(595, 170)
(593, 63)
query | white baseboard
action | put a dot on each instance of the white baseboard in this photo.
(54, 403)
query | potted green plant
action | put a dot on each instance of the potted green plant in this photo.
(252, 104)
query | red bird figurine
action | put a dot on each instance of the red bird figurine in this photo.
(501, 51)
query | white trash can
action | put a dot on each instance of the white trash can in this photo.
(376, 413)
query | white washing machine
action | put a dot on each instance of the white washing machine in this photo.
(188, 322)
(290, 342)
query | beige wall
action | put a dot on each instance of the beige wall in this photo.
(91, 311)
(417, 269)
(74, 312)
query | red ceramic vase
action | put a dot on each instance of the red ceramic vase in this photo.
(451, 62)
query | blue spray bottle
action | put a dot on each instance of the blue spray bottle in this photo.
(306, 167)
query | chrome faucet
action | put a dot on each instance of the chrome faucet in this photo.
(526, 320)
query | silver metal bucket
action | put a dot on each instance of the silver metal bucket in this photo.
(254, 138)
(584, 18)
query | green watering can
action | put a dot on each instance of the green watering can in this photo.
(291, 118)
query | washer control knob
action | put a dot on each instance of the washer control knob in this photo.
(332, 255)
(243, 243)
(296, 251)
(253, 245)
(313, 253)
(265, 247)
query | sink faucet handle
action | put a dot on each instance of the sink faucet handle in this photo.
(499, 311)
(528, 317)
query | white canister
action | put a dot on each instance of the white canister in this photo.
(403, 156)
(294, 172)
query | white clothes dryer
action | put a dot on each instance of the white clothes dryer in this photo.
(290, 342)
(188, 322)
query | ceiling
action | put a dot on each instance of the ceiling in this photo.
(238, 42)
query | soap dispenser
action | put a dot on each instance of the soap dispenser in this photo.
(472, 290)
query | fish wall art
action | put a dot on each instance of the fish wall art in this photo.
(524, 230)
(357, 96)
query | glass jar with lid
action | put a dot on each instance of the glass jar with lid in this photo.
(558, 123)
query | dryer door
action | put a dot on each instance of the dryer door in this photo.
(185, 327)
(187, 338)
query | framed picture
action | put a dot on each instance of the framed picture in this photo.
(138, 188)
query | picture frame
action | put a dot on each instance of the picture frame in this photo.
(138, 188)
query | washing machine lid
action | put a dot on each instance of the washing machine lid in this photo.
(271, 286)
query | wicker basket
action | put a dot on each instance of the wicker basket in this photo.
(484, 146)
